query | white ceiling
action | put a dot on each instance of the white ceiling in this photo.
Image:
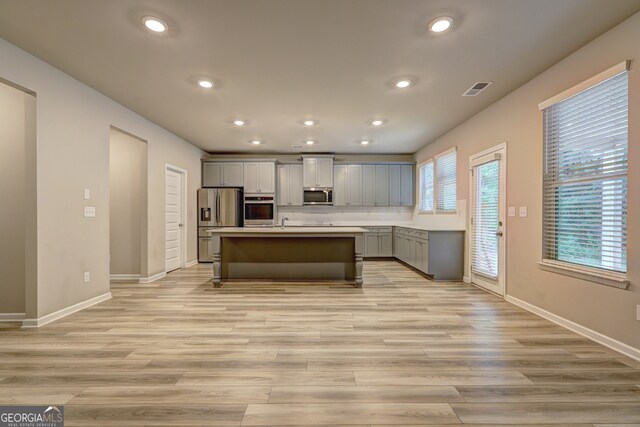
(276, 62)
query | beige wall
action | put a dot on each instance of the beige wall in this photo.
(127, 202)
(13, 134)
(516, 120)
(73, 128)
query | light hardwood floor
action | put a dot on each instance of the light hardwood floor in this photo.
(400, 351)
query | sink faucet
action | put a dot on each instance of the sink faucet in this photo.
(283, 220)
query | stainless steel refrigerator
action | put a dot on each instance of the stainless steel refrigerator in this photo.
(217, 207)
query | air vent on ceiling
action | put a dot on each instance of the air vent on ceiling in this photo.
(476, 88)
(297, 147)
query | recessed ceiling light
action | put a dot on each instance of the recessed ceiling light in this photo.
(377, 122)
(440, 24)
(256, 142)
(309, 142)
(310, 122)
(239, 122)
(207, 84)
(402, 83)
(154, 24)
(365, 142)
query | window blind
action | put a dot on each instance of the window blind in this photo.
(585, 177)
(446, 182)
(426, 187)
(486, 209)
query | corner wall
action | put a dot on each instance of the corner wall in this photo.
(516, 119)
(73, 126)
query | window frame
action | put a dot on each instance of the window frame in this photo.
(600, 275)
(434, 160)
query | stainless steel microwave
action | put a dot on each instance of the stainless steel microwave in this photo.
(318, 196)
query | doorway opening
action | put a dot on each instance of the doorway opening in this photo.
(127, 206)
(487, 239)
(18, 217)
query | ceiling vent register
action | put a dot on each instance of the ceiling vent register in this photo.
(476, 88)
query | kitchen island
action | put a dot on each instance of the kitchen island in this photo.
(289, 253)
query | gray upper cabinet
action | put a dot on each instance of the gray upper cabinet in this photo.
(347, 189)
(401, 185)
(318, 172)
(375, 184)
(259, 177)
(222, 174)
(289, 185)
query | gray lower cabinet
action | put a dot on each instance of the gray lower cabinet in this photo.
(379, 242)
(439, 254)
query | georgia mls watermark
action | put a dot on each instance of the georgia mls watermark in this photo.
(31, 416)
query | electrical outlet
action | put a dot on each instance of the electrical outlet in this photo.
(512, 211)
(87, 277)
(523, 212)
(89, 211)
(87, 194)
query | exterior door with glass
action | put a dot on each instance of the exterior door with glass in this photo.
(488, 226)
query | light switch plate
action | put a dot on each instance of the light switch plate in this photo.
(523, 212)
(89, 211)
(87, 194)
(512, 211)
(87, 277)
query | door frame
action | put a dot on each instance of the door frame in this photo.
(183, 213)
(502, 206)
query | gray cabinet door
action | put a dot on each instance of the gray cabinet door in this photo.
(251, 178)
(371, 247)
(324, 172)
(266, 177)
(354, 185)
(368, 185)
(395, 193)
(232, 174)
(211, 174)
(381, 185)
(385, 244)
(295, 185)
(310, 168)
(340, 185)
(407, 182)
(282, 193)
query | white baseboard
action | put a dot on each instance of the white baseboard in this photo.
(12, 317)
(466, 279)
(613, 344)
(191, 263)
(41, 321)
(118, 277)
(152, 278)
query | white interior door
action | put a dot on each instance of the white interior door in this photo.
(173, 220)
(488, 225)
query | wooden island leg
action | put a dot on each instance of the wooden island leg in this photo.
(217, 261)
(359, 246)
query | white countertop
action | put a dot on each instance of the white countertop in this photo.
(286, 230)
(343, 224)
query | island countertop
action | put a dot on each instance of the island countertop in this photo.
(270, 231)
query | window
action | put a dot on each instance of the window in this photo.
(426, 187)
(585, 175)
(438, 183)
(446, 181)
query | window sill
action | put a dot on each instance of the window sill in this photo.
(613, 279)
(437, 212)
